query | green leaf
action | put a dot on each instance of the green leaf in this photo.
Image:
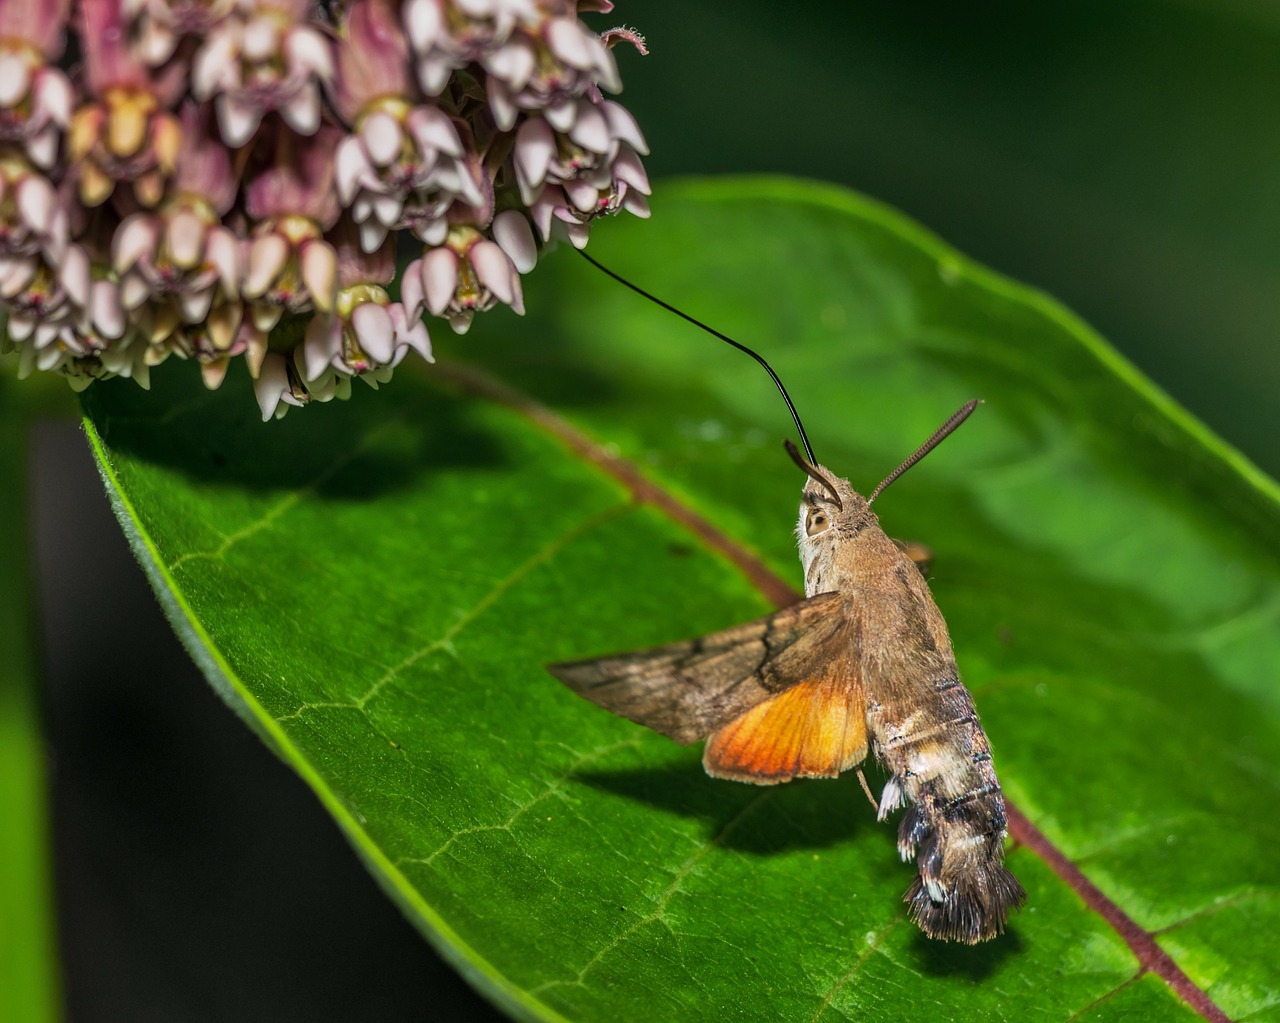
(375, 587)
(28, 966)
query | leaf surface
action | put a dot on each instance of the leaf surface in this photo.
(375, 587)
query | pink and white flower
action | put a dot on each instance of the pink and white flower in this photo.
(158, 26)
(545, 71)
(469, 274)
(36, 98)
(265, 58)
(447, 35)
(366, 335)
(592, 170)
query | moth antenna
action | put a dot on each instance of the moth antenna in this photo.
(804, 437)
(939, 435)
(813, 472)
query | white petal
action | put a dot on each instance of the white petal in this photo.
(432, 129)
(590, 129)
(36, 201)
(375, 331)
(323, 341)
(195, 304)
(469, 188)
(58, 234)
(514, 63)
(267, 257)
(500, 104)
(534, 150)
(412, 334)
(302, 113)
(623, 127)
(134, 290)
(214, 372)
(15, 275)
(135, 237)
(107, 314)
(309, 51)
(15, 78)
(350, 165)
(217, 64)
(542, 210)
(627, 167)
(265, 316)
(512, 232)
(261, 39)
(47, 332)
(567, 39)
(371, 234)
(494, 269)
(636, 204)
(603, 65)
(42, 147)
(411, 294)
(423, 23)
(74, 275)
(561, 114)
(185, 239)
(583, 196)
(271, 384)
(238, 120)
(223, 250)
(387, 208)
(579, 234)
(54, 96)
(382, 138)
(320, 273)
(439, 278)
(434, 74)
(433, 232)
(517, 297)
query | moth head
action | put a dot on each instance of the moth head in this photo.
(829, 507)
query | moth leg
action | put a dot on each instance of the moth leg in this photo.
(862, 780)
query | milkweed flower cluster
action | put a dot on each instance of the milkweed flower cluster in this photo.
(226, 179)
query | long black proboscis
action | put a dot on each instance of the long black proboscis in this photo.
(804, 438)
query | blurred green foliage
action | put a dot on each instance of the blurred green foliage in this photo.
(1121, 156)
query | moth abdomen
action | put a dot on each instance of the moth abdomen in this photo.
(974, 907)
(954, 823)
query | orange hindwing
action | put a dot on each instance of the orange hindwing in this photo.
(815, 729)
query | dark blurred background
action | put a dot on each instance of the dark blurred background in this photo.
(1121, 156)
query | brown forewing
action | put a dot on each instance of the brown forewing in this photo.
(688, 690)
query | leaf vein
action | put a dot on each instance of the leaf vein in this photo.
(287, 501)
(658, 913)
(551, 788)
(445, 641)
(873, 945)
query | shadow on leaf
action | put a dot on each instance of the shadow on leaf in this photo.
(349, 450)
(975, 963)
(801, 815)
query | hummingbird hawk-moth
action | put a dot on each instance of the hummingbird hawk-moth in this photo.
(864, 662)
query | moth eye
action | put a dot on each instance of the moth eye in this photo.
(816, 522)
